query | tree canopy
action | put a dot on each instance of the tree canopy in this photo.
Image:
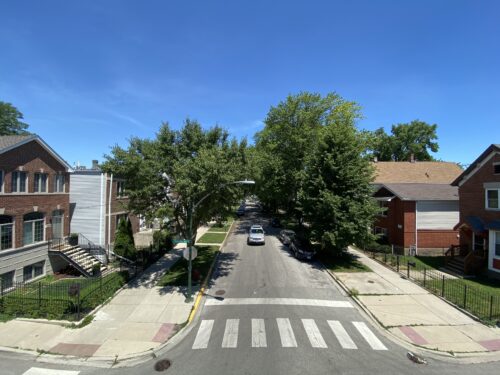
(416, 138)
(10, 120)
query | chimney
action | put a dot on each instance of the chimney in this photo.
(95, 164)
(412, 158)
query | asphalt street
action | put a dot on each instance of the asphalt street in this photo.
(266, 312)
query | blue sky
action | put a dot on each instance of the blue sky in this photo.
(91, 74)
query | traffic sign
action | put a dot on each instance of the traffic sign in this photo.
(194, 253)
(180, 241)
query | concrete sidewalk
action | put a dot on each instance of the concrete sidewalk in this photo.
(140, 318)
(414, 315)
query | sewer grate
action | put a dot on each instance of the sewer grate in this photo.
(162, 365)
(220, 292)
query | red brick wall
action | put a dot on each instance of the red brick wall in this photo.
(395, 216)
(409, 223)
(32, 158)
(437, 238)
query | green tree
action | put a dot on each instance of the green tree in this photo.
(166, 176)
(124, 240)
(416, 138)
(10, 123)
(290, 133)
(336, 194)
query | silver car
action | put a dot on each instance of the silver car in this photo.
(286, 236)
(256, 235)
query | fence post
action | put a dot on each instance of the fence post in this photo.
(78, 305)
(39, 295)
(408, 270)
(397, 263)
(442, 287)
(425, 275)
(465, 295)
(491, 306)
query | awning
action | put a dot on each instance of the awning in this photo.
(493, 225)
(475, 223)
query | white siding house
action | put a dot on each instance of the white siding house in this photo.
(437, 214)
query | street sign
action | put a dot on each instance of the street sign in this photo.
(194, 253)
(180, 241)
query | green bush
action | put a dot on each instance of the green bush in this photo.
(124, 240)
(162, 240)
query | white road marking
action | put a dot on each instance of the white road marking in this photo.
(230, 339)
(277, 301)
(314, 334)
(286, 333)
(48, 371)
(369, 336)
(203, 335)
(341, 334)
(259, 334)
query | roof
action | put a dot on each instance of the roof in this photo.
(10, 142)
(423, 192)
(421, 172)
(476, 164)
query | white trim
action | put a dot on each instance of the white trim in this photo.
(486, 199)
(491, 250)
(478, 167)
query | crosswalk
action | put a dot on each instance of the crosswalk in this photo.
(287, 331)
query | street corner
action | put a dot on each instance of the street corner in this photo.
(366, 283)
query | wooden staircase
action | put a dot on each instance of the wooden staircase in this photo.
(462, 261)
(456, 265)
(78, 257)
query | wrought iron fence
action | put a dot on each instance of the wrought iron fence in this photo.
(66, 299)
(479, 302)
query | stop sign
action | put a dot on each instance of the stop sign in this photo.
(194, 253)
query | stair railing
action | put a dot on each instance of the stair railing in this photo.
(94, 250)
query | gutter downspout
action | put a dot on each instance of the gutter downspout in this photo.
(416, 228)
(109, 212)
(101, 208)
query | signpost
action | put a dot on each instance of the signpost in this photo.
(194, 253)
(180, 241)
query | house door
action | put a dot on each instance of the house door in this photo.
(57, 224)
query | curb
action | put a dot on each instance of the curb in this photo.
(478, 357)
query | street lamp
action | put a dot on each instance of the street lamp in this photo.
(190, 232)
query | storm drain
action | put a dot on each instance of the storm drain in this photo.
(220, 292)
(162, 365)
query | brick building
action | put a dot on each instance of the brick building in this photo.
(419, 208)
(479, 192)
(34, 206)
(98, 203)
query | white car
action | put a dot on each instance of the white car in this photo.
(256, 235)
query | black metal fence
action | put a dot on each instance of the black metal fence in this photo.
(479, 302)
(67, 299)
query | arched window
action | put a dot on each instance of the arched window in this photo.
(6, 232)
(33, 228)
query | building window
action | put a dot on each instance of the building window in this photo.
(492, 198)
(382, 232)
(7, 280)
(384, 208)
(497, 244)
(40, 183)
(19, 181)
(1, 181)
(120, 189)
(59, 183)
(496, 168)
(27, 273)
(33, 228)
(38, 269)
(6, 231)
(120, 218)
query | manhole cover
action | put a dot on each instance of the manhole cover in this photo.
(162, 365)
(220, 292)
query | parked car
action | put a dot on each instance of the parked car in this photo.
(256, 235)
(286, 236)
(275, 222)
(240, 211)
(301, 248)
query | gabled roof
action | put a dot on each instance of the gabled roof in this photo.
(10, 142)
(423, 192)
(476, 164)
(421, 172)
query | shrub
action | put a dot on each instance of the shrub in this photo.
(124, 241)
(162, 240)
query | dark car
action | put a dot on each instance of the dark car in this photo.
(275, 223)
(301, 248)
(240, 211)
(286, 236)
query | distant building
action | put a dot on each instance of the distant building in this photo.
(479, 192)
(34, 207)
(98, 203)
(419, 207)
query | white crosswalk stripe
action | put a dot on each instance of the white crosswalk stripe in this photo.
(286, 333)
(313, 334)
(230, 339)
(203, 335)
(47, 371)
(368, 335)
(341, 334)
(259, 339)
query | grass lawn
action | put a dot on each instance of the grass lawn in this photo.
(212, 238)
(220, 228)
(345, 263)
(178, 274)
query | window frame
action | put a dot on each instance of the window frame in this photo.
(495, 166)
(120, 189)
(12, 236)
(496, 244)
(2, 181)
(16, 176)
(486, 203)
(37, 179)
(57, 177)
(3, 276)
(33, 230)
